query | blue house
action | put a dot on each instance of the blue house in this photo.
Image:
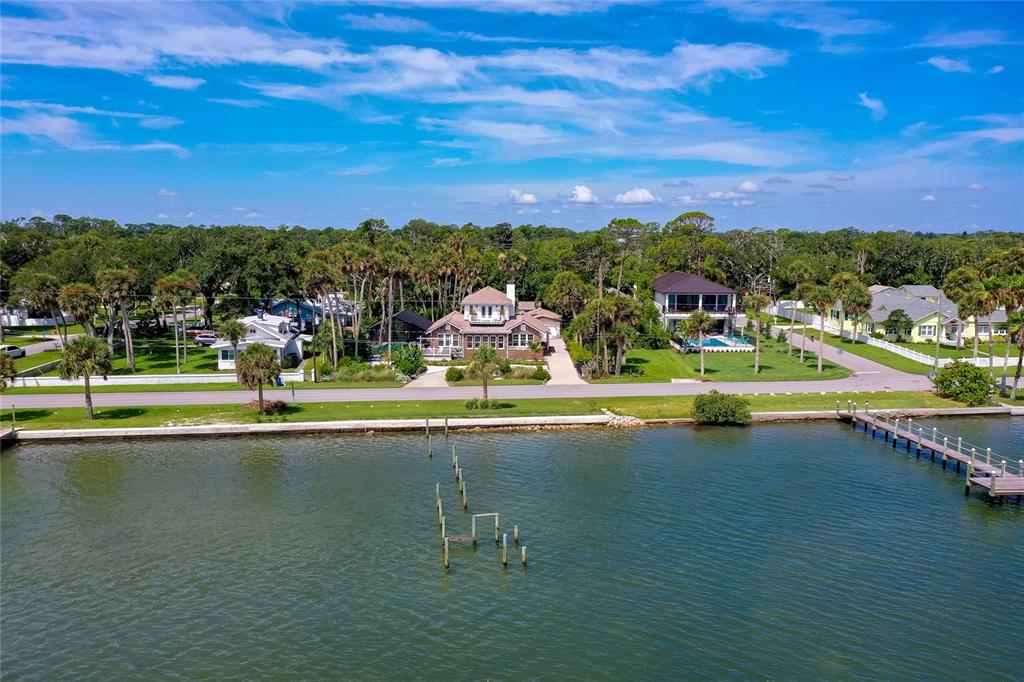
(307, 312)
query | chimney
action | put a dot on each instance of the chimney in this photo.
(510, 291)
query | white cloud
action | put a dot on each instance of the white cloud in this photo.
(63, 130)
(950, 65)
(637, 195)
(998, 68)
(976, 187)
(162, 216)
(166, 193)
(175, 82)
(964, 39)
(840, 177)
(777, 180)
(690, 200)
(727, 152)
(676, 183)
(915, 129)
(252, 215)
(159, 122)
(928, 198)
(875, 106)
(383, 22)
(363, 169)
(720, 195)
(447, 162)
(748, 187)
(242, 103)
(581, 194)
(519, 197)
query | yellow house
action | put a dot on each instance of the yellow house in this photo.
(929, 309)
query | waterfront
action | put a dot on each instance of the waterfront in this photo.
(778, 551)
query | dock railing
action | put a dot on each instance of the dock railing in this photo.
(1001, 463)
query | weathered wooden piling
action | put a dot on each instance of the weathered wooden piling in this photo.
(446, 427)
(515, 535)
(465, 499)
(910, 432)
(453, 455)
(447, 560)
(430, 446)
(522, 554)
(427, 427)
(896, 433)
(444, 535)
(504, 550)
(945, 446)
(440, 511)
(967, 481)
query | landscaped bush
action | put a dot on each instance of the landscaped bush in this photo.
(964, 382)
(721, 408)
(472, 403)
(877, 335)
(541, 374)
(408, 359)
(781, 336)
(506, 367)
(289, 363)
(269, 406)
(578, 353)
(454, 374)
(362, 371)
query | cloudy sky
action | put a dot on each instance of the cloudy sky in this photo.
(565, 112)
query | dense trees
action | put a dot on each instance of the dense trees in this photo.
(428, 268)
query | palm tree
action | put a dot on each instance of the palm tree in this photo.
(166, 295)
(799, 270)
(993, 287)
(973, 303)
(821, 300)
(233, 332)
(755, 304)
(41, 290)
(7, 371)
(1015, 328)
(319, 278)
(697, 327)
(857, 301)
(81, 301)
(802, 291)
(118, 285)
(484, 363)
(955, 286)
(841, 285)
(1012, 297)
(258, 364)
(85, 357)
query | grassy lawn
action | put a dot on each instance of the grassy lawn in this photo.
(30, 361)
(776, 365)
(174, 388)
(944, 351)
(643, 407)
(498, 382)
(879, 355)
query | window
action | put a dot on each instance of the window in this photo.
(926, 330)
(227, 354)
(448, 340)
(520, 340)
(501, 342)
(982, 329)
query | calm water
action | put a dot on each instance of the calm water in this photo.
(774, 552)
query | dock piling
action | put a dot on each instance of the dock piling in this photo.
(447, 561)
(945, 446)
(988, 455)
(444, 535)
(967, 481)
(430, 446)
(453, 455)
(522, 554)
(446, 427)
(465, 499)
(896, 432)
(910, 431)
(504, 550)
(515, 535)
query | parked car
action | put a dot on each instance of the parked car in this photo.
(205, 339)
(196, 329)
(13, 351)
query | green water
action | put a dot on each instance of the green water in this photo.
(774, 552)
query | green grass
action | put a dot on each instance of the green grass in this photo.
(929, 349)
(498, 382)
(175, 388)
(30, 361)
(665, 365)
(879, 355)
(643, 407)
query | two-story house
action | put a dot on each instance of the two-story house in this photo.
(679, 294)
(271, 330)
(491, 317)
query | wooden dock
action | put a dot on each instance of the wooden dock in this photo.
(999, 475)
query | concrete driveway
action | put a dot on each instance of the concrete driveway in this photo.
(563, 372)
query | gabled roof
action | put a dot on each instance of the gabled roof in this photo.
(878, 288)
(920, 290)
(525, 306)
(459, 321)
(687, 283)
(883, 303)
(544, 313)
(413, 320)
(487, 296)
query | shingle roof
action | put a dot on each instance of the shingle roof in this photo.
(457, 320)
(487, 296)
(883, 303)
(412, 319)
(687, 283)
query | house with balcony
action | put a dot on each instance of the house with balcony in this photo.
(679, 294)
(491, 317)
(271, 330)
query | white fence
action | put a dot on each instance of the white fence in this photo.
(144, 379)
(782, 309)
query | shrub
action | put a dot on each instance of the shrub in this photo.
(454, 374)
(578, 353)
(362, 371)
(402, 378)
(877, 335)
(408, 359)
(269, 406)
(964, 382)
(484, 404)
(289, 362)
(541, 374)
(721, 408)
(781, 336)
(472, 403)
(506, 367)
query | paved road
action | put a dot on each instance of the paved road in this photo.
(868, 376)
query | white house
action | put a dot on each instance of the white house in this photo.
(23, 316)
(269, 330)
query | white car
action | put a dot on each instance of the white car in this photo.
(205, 339)
(13, 351)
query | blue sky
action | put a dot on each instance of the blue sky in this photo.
(809, 116)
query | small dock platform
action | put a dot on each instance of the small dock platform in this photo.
(997, 474)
